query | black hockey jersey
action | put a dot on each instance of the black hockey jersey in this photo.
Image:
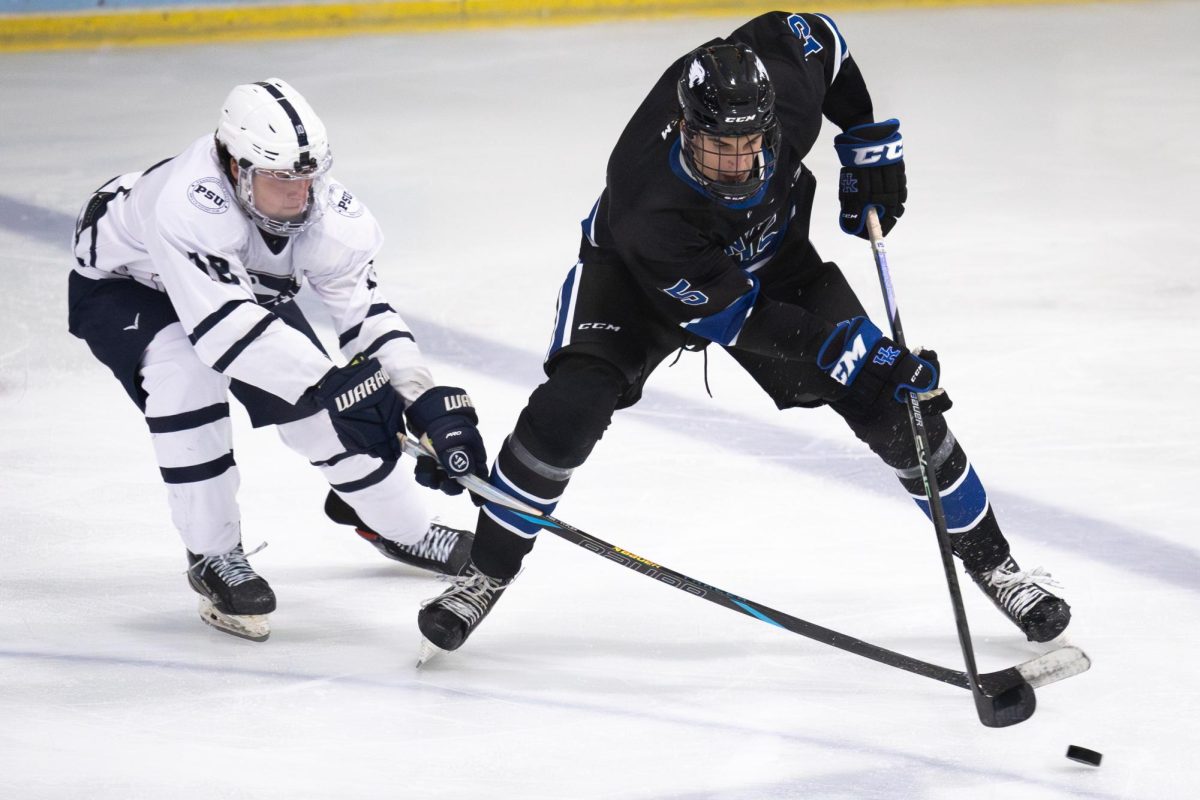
(696, 256)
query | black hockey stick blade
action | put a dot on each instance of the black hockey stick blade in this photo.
(1013, 705)
(1007, 697)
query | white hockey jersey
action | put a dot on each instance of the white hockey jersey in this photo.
(177, 228)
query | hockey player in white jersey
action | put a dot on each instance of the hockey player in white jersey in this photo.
(183, 287)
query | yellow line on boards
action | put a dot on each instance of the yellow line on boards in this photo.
(161, 26)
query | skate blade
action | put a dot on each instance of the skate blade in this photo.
(255, 627)
(428, 651)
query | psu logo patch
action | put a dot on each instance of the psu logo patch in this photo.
(343, 202)
(208, 195)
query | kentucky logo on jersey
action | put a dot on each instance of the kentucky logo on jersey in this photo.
(208, 195)
(755, 243)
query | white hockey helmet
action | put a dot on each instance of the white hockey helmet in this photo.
(280, 144)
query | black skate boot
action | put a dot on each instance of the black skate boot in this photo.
(1023, 598)
(233, 598)
(448, 619)
(442, 549)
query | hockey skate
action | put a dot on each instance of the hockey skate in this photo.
(442, 549)
(1024, 599)
(448, 619)
(233, 598)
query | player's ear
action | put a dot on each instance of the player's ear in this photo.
(233, 167)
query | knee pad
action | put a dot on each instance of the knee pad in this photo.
(569, 413)
(174, 378)
(312, 437)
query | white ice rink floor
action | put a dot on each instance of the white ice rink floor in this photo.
(1047, 253)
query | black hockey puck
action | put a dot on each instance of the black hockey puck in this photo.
(1083, 755)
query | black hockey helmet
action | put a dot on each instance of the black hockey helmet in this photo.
(725, 93)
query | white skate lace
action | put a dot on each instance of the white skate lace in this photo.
(437, 544)
(1020, 590)
(231, 567)
(469, 597)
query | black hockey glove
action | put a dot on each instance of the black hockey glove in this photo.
(445, 415)
(872, 367)
(365, 410)
(872, 157)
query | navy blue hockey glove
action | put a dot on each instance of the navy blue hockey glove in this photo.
(446, 416)
(872, 157)
(872, 367)
(365, 410)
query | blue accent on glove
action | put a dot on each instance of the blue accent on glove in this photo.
(844, 352)
(724, 326)
(870, 145)
(872, 157)
(923, 376)
(871, 366)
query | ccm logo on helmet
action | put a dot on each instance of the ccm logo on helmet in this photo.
(741, 119)
(367, 387)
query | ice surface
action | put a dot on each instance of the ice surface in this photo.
(1047, 253)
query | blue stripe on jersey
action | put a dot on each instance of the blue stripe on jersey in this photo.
(198, 472)
(963, 505)
(212, 320)
(675, 160)
(724, 326)
(366, 481)
(843, 50)
(373, 348)
(352, 333)
(379, 308)
(564, 312)
(329, 462)
(589, 224)
(222, 363)
(188, 420)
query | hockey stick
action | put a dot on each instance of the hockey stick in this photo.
(998, 707)
(1045, 669)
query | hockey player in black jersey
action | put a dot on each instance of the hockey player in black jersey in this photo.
(700, 237)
